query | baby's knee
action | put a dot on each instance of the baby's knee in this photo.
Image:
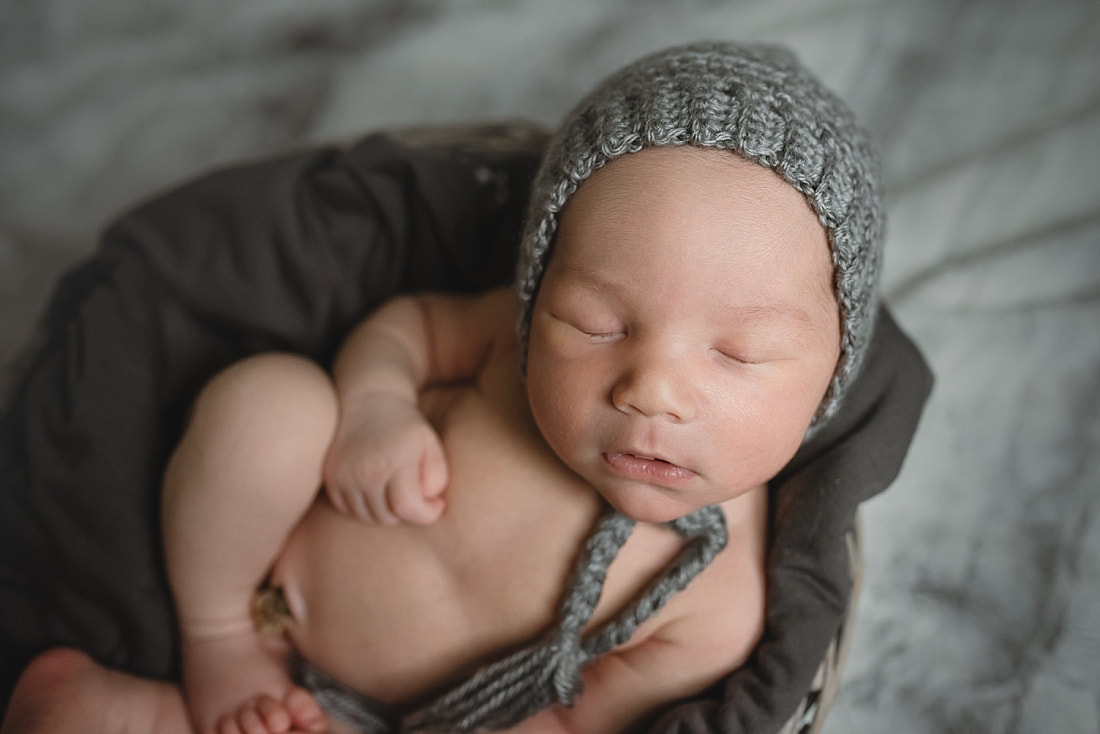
(275, 410)
(271, 389)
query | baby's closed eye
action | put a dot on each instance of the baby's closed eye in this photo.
(735, 354)
(755, 350)
(599, 325)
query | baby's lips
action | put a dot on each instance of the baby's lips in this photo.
(648, 469)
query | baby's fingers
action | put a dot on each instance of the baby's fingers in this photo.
(407, 500)
(363, 498)
(371, 505)
(434, 473)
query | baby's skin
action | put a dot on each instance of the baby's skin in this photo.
(683, 336)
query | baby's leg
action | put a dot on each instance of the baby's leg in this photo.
(246, 471)
(64, 691)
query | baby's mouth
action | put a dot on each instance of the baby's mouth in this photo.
(648, 469)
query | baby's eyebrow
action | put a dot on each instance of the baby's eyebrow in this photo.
(579, 279)
(790, 319)
(589, 277)
(772, 312)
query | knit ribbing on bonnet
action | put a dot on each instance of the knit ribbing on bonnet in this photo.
(759, 102)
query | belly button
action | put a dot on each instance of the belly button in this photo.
(270, 611)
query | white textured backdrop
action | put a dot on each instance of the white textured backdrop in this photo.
(981, 610)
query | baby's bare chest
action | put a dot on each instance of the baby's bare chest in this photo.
(397, 611)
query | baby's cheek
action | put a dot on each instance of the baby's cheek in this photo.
(770, 424)
(785, 431)
(540, 392)
(557, 418)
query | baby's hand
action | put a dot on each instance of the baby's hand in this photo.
(386, 463)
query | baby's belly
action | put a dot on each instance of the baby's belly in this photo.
(398, 612)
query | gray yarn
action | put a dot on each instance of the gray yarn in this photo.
(759, 102)
(504, 693)
(366, 714)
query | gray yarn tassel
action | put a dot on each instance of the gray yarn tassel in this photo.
(504, 693)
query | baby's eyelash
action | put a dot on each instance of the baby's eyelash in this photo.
(601, 336)
(733, 357)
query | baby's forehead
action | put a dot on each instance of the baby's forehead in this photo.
(709, 217)
(687, 186)
(725, 171)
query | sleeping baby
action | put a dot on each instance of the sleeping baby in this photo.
(560, 526)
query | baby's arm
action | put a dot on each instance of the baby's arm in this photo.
(705, 632)
(248, 468)
(386, 462)
(624, 687)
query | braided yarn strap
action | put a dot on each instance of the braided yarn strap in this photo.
(504, 693)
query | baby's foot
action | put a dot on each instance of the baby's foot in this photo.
(235, 685)
(263, 714)
(64, 691)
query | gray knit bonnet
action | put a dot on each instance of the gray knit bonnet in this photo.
(758, 102)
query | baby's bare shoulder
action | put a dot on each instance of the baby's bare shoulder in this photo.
(720, 615)
(703, 634)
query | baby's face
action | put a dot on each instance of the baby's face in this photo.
(684, 332)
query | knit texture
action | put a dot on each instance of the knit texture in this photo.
(504, 693)
(758, 102)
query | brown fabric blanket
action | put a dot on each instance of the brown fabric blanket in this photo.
(287, 254)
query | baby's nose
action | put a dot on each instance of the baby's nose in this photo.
(655, 389)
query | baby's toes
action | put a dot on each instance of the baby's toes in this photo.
(249, 719)
(227, 724)
(274, 714)
(304, 710)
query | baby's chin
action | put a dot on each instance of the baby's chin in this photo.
(650, 505)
